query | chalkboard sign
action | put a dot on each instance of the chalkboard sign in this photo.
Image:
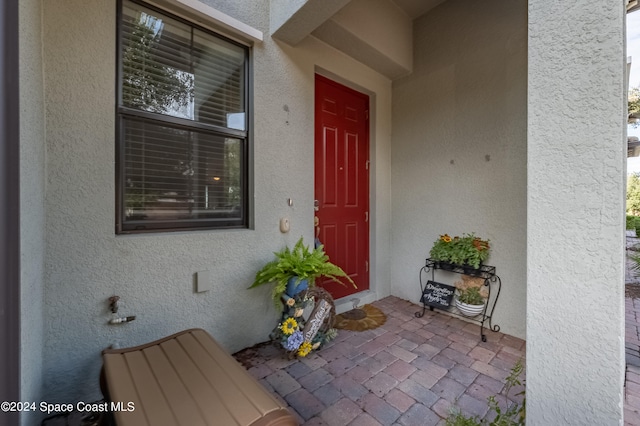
(438, 295)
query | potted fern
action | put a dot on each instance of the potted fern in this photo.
(294, 270)
(469, 301)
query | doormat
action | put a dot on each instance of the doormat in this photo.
(364, 318)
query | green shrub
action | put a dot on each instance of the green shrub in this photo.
(631, 222)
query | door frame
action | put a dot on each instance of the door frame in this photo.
(10, 218)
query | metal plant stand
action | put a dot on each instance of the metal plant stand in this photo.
(491, 281)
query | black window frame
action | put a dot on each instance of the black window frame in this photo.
(122, 113)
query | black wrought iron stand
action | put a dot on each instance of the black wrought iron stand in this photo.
(491, 280)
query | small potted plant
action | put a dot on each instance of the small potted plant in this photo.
(441, 251)
(294, 270)
(470, 302)
(468, 250)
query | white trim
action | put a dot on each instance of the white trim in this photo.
(207, 16)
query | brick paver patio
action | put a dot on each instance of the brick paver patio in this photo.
(632, 349)
(411, 370)
(408, 372)
(632, 337)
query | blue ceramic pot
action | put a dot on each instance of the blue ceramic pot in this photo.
(294, 287)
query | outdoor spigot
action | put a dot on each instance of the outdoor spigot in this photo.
(122, 319)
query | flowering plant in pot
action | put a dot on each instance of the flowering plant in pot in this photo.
(466, 250)
(469, 301)
(294, 270)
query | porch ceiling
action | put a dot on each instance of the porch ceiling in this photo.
(378, 33)
(417, 8)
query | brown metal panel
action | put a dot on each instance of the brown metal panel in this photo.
(188, 379)
(180, 400)
(122, 389)
(155, 404)
(240, 397)
(254, 391)
(204, 394)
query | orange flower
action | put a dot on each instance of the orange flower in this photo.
(446, 238)
(480, 244)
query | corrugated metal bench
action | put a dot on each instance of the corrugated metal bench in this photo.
(187, 379)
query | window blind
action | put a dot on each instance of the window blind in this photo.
(182, 124)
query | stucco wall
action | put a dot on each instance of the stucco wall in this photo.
(32, 217)
(576, 150)
(459, 160)
(375, 32)
(383, 25)
(153, 274)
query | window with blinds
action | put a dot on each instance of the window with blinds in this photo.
(182, 125)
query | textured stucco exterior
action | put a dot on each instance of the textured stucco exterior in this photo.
(459, 160)
(575, 199)
(471, 151)
(293, 20)
(375, 32)
(153, 274)
(32, 218)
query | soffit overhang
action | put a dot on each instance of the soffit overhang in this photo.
(378, 33)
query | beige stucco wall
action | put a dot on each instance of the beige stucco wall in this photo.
(375, 32)
(32, 216)
(459, 160)
(381, 24)
(466, 100)
(575, 197)
(154, 273)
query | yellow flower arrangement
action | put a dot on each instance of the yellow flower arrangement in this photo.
(304, 349)
(290, 330)
(289, 326)
(466, 250)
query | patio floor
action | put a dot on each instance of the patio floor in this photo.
(632, 336)
(407, 372)
(632, 349)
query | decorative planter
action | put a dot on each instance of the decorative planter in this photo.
(471, 270)
(469, 310)
(447, 266)
(294, 286)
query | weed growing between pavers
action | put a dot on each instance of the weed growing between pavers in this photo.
(513, 416)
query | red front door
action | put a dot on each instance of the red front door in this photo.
(342, 181)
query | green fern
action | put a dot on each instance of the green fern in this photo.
(300, 262)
